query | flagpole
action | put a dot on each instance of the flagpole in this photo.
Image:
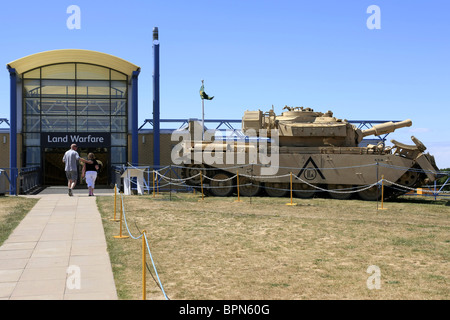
(203, 115)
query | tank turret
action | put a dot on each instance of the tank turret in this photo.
(303, 127)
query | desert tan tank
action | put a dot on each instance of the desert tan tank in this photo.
(316, 151)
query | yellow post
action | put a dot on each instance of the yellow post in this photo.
(291, 203)
(153, 183)
(120, 236)
(115, 203)
(157, 186)
(201, 185)
(237, 176)
(382, 194)
(144, 288)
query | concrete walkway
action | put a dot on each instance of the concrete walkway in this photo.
(58, 251)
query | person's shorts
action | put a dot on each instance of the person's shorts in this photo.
(90, 178)
(72, 175)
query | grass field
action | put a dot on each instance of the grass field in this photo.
(261, 248)
(12, 211)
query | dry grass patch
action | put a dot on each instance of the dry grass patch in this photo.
(12, 210)
(263, 249)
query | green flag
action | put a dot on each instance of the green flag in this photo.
(203, 94)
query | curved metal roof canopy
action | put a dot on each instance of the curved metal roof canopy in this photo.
(72, 55)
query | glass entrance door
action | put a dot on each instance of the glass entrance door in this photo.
(54, 173)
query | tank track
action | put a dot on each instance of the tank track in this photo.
(409, 181)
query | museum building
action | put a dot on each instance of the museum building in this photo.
(70, 96)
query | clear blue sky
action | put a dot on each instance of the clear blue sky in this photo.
(255, 54)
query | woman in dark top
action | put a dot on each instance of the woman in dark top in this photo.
(90, 172)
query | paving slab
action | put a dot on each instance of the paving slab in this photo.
(58, 251)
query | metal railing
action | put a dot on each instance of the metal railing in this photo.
(28, 179)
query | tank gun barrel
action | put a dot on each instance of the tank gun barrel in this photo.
(386, 127)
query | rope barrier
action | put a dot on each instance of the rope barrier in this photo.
(226, 179)
(342, 190)
(144, 236)
(145, 168)
(157, 176)
(154, 268)
(363, 188)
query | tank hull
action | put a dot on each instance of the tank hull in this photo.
(342, 173)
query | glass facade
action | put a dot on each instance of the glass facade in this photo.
(74, 97)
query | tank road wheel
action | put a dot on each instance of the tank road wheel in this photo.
(191, 171)
(303, 190)
(370, 194)
(221, 185)
(409, 178)
(249, 190)
(277, 189)
(342, 194)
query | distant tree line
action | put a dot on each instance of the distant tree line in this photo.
(443, 179)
